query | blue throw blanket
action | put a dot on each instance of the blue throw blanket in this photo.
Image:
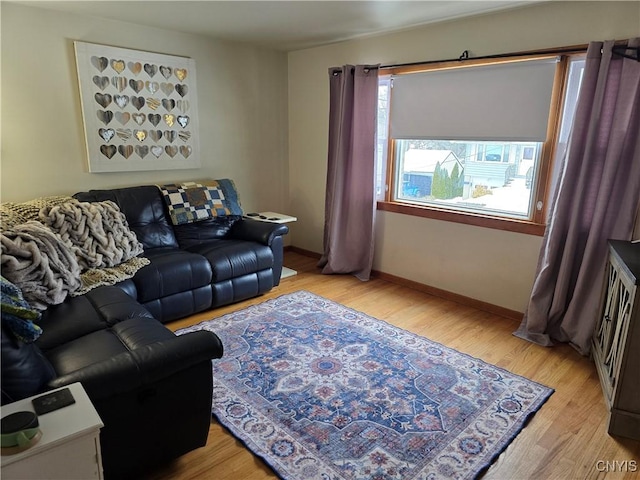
(17, 314)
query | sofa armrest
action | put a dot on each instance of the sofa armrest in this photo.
(145, 365)
(256, 231)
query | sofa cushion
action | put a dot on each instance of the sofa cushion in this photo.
(190, 234)
(181, 304)
(171, 271)
(145, 211)
(97, 310)
(101, 345)
(234, 258)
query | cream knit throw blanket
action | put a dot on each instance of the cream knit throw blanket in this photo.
(98, 231)
(42, 266)
(12, 213)
(75, 247)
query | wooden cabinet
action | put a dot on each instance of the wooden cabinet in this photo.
(69, 447)
(616, 341)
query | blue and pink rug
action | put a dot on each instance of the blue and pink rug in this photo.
(321, 391)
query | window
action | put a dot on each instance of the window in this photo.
(475, 143)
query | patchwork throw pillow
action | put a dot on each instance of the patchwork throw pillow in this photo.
(193, 202)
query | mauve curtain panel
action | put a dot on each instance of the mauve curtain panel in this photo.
(597, 199)
(350, 195)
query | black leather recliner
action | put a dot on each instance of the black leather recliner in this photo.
(151, 388)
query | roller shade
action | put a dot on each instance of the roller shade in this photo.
(506, 102)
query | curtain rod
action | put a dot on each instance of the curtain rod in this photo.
(617, 50)
(622, 49)
(465, 56)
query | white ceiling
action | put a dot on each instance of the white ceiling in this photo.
(282, 25)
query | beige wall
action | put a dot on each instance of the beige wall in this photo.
(488, 265)
(242, 94)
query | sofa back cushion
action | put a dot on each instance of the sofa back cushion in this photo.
(190, 234)
(145, 210)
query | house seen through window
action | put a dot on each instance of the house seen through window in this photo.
(473, 176)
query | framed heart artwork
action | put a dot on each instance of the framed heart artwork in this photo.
(140, 109)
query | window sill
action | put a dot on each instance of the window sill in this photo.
(498, 223)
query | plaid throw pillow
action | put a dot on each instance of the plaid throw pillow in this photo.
(192, 202)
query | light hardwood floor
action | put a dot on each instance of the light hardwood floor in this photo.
(566, 439)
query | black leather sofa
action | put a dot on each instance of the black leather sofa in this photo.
(151, 388)
(195, 266)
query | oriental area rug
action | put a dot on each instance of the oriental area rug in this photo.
(321, 391)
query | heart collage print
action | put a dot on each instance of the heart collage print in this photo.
(143, 110)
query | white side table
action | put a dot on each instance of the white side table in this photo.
(69, 447)
(275, 217)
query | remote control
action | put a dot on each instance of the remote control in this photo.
(53, 401)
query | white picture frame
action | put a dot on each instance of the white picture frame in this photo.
(140, 109)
